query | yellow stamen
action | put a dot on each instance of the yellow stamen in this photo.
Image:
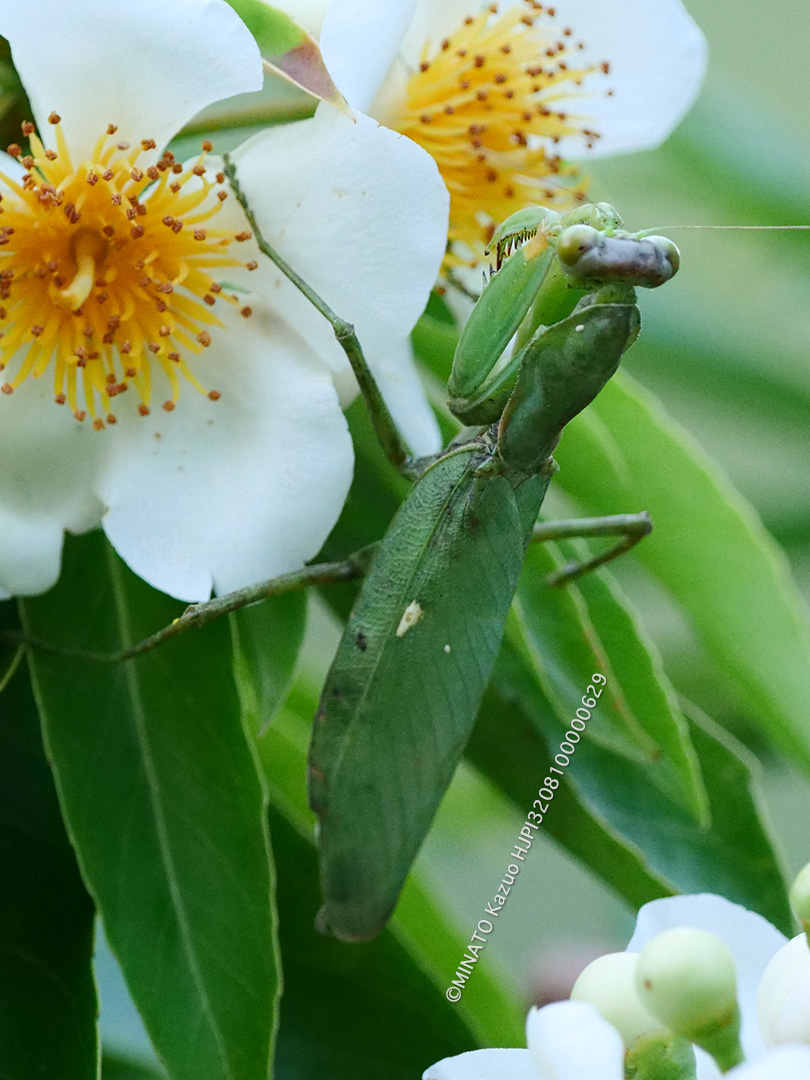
(106, 271)
(488, 104)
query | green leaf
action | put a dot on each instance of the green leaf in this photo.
(733, 856)
(116, 1067)
(568, 633)
(580, 830)
(165, 807)
(288, 50)
(435, 342)
(266, 641)
(329, 987)
(47, 994)
(708, 548)
(402, 694)
(416, 953)
(10, 653)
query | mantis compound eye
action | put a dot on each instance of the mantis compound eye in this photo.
(591, 257)
(668, 250)
(575, 242)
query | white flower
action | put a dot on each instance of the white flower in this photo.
(566, 1041)
(752, 940)
(119, 273)
(505, 99)
(786, 1063)
(569, 1040)
(783, 999)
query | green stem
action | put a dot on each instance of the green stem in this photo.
(383, 424)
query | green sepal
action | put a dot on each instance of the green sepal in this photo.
(720, 1037)
(289, 51)
(660, 1055)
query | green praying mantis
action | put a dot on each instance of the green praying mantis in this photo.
(417, 652)
(405, 687)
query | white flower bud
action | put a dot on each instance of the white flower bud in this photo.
(686, 978)
(609, 984)
(800, 898)
(783, 999)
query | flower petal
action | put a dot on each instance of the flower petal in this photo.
(49, 471)
(223, 494)
(30, 555)
(361, 214)
(484, 1065)
(783, 998)
(786, 1063)
(11, 168)
(359, 40)
(751, 939)
(398, 378)
(432, 22)
(147, 67)
(569, 1040)
(657, 57)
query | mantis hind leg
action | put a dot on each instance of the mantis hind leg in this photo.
(629, 527)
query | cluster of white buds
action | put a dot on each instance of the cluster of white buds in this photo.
(680, 992)
(783, 1001)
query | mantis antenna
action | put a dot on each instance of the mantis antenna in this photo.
(770, 228)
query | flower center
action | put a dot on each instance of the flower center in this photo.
(488, 105)
(106, 271)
